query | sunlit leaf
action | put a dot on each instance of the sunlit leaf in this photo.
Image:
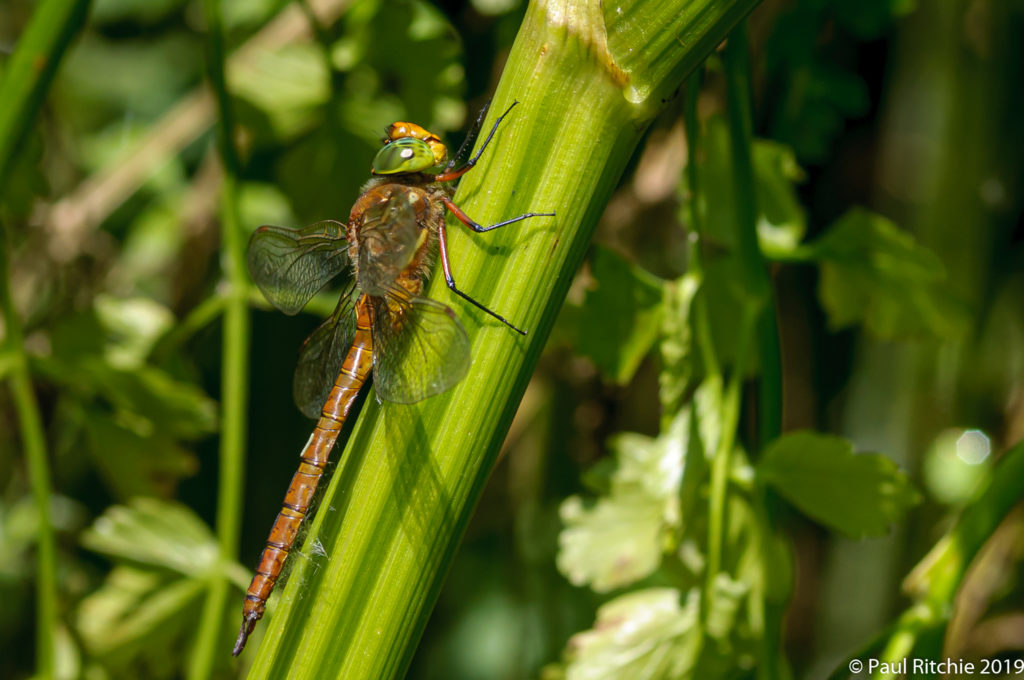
(727, 596)
(287, 83)
(154, 533)
(874, 273)
(676, 347)
(857, 494)
(652, 634)
(135, 617)
(781, 222)
(619, 320)
(147, 607)
(132, 325)
(153, 249)
(619, 538)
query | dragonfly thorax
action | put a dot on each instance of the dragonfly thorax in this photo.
(391, 229)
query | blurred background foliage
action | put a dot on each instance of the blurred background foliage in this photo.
(888, 178)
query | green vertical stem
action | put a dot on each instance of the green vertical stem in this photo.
(753, 268)
(721, 463)
(22, 92)
(31, 424)
(756, 281)
(702, 324)
(210, 641)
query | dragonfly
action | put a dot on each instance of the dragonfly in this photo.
(414, 346)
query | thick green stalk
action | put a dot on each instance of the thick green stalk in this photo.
(22, 92)
(588, 81)
(235, 356)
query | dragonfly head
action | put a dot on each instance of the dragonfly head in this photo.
(408, 148)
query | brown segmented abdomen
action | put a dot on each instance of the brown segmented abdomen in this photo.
(354, 372)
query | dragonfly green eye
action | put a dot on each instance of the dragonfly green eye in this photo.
(407, 154)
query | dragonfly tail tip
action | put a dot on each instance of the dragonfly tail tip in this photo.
(243, 635)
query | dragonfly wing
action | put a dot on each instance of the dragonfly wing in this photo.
(322, 355)
(388, 236)
(291, 265)
(420, 348)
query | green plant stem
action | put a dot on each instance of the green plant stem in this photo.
(722, 461)
(23, 89)
(31, 69)
(34, 441)
(753, 267)
(210, 640)
(758, 286)
(401, 497)
(702, 323)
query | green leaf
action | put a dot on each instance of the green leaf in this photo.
(146, 398)
(137, 614)
(619, 320)
(154, 533)
(781, 222)
(648, 634)
(874, 273)
(678, 362)
(288, 84)
(724, 295)
(620, 538)
(150, 601)
(857, 494)
(133, 325)
(727, 597)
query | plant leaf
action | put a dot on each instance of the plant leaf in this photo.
(781, 222)
(650, 633)
(619, 319)
(874, 273)
(154, 533)
(857, 494)
(678, 362)
(619, 538)
(137, 611)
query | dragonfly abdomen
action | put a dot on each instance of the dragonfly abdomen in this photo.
(353, 374)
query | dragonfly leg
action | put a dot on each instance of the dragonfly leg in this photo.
(461, 216)
(470, 136)
(442, 238)
(449, 175)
